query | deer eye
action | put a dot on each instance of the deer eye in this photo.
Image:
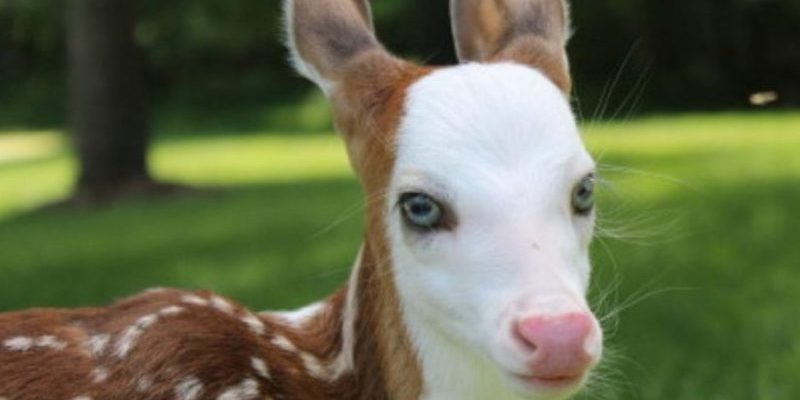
(421, 211)
(583, 196)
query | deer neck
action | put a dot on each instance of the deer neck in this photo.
(368, 324)
(382, 343)
(360, 334)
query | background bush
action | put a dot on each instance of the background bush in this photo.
(680, 54)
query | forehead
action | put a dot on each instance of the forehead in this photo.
(488, 121)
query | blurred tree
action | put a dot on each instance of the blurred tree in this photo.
(108, 111)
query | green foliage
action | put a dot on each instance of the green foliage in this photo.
(228, 55)
(695, 264)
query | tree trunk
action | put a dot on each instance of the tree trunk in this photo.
(108, 111)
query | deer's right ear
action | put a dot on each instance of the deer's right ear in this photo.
(325, 37)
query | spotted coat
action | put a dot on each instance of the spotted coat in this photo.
(168, 344)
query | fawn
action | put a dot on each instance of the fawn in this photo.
(472, 277)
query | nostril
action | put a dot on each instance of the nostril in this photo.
(522, 335)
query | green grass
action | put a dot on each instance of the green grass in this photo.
(700, 223)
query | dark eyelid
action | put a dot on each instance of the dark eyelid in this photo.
(448, 222)
(583, 213)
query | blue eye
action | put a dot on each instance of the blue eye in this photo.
(421, 211)
(583, 196)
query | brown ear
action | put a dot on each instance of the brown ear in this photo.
(532, 32)
(325, 36)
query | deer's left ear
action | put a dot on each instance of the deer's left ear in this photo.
(531, 32)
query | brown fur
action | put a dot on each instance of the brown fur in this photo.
(203, 342)
(368, 108)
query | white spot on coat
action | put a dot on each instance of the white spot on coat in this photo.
(99, 374)
(146, 321)
(221, 304)
(19, 343)
(128, 339)
(171, 311)
(254, 324)
(193, 299)
(260, 367)
(188, 389)
(144, 383)
(82, 398)
(246, 390)
(313, 366)
(283, 343)
(297, 318)
(131, 334)
(97, 344)
(51, 342)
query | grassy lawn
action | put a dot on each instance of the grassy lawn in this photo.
(699, 241)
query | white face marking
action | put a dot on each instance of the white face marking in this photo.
(246, 390)
(189, 388)
(260, 367)
(82, 398)
(499, 145)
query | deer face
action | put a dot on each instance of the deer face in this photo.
(490, 218)
(486, 189)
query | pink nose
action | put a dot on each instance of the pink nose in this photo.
(559, 344)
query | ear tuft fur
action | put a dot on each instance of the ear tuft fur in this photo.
(325, 36)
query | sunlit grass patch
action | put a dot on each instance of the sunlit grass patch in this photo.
(22, 145)
(43, 174)
(661, 155)
(268, 157)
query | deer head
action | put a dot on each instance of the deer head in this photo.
(480, 191)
